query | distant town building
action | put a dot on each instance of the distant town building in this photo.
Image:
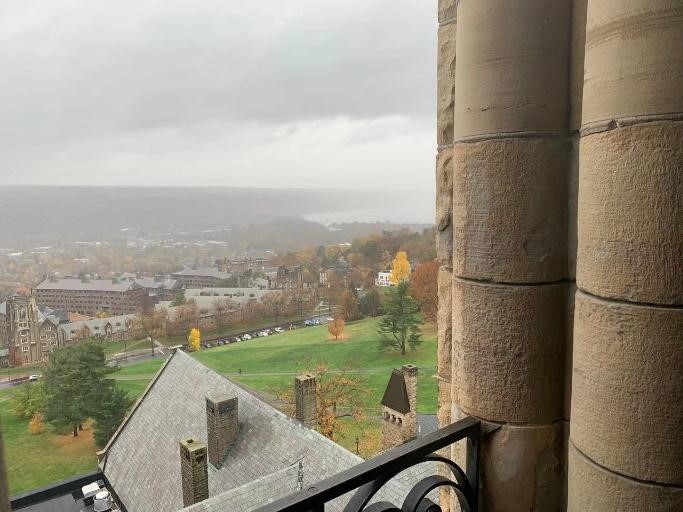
(159, 287)
(113, 328)
(90, 297)
(202, 277)
(26, 333)
(383, 278)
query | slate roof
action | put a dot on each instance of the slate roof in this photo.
(274, 455)
(106, 285)
(151, 283)
(142, 461)
(396, 395)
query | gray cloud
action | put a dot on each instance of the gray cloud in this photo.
(137, 92)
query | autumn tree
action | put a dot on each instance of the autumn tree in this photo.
(28, 400)
(350, 306)
(194, 340)
(400, 268)
(336, 327)
(400, 325)
(371, 303)
(221, 310)
(339, 395)
(36, 425)
(423, 285)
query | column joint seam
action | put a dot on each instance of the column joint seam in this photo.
(523, 134)
(622, 475)
(625, 302)
(605, 125)
(512, 284)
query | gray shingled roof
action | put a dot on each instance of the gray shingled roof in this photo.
(94, 284)
(143, 463)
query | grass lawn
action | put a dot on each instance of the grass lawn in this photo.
(115, 347)
(37, 460)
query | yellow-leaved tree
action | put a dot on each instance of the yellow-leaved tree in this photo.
(195, 340)
(400, 268)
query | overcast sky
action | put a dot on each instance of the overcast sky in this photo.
(267, 93)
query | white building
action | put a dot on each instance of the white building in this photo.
(383, 278)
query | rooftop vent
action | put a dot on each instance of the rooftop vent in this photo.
(102, 502)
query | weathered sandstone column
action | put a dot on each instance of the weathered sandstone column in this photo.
(444, 208)
(511, 176)
(444, 199)
(626, 443)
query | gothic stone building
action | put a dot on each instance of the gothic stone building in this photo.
(28, 333)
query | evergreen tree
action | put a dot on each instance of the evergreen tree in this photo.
(75, 385)
(109, 412)
(400, 325)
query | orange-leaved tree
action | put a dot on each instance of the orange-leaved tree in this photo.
(336, 327)
(339, 394)
(36, 425)
(400, 268)
(423, 284)
(195, 340)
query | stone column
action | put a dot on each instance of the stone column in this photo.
(444, 200)
(626, 442)
(444, 213)
(511, 158)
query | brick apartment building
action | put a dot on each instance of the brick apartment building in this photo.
(203, 277)
(89, 297)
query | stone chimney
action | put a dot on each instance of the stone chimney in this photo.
(399, 408)
(304, 392)
(222, 426)
(410, 420)
(193, 471)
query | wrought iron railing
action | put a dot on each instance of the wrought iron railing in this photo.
(370, 476)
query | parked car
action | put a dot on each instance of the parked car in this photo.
(308, 322)
(246, 337)
(236, 339)
(316, 321)
(279, 329)
(35, 377)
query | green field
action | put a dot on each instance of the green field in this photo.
(265, 364)
(36, 460)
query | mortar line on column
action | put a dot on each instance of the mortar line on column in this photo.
(447, 22)
(622, 475)
(505, 283)
(513, 424)
(471, 139)
(605, 125)
(625, 302)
